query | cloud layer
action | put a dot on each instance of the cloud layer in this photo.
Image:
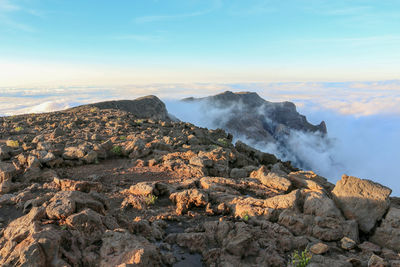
(363, 118)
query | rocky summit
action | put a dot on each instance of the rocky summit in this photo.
(122, 184)
(260, 122)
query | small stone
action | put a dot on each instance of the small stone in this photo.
(319, 248)
(347, 243)
(370, 247)
(376, 261)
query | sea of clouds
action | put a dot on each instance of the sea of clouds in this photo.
(363, 118)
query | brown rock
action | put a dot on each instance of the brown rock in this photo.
(388, 233)
(188, 198)
(120, 248)
(319, 204)
(319, 248)
(362, 200)
(73, 153)
(7, 173)
(376, 261)
(143, 188)
(347, 243)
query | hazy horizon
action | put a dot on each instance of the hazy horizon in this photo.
(338, 61)
(69, 43)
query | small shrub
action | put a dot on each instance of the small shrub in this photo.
(301, 260)
(117, 150)
(224, 142)
(122, 137)
(18, 129)
(151, 199)
(94, 109)
(12, 143)
(245, 216)
(139, 122)
(64, 227)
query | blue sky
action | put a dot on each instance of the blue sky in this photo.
(126, 42)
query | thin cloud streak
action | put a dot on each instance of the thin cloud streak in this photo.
(157, 18)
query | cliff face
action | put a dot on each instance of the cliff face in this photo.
(259, 122)
(257, 119)
(144, 107)
(100, 186)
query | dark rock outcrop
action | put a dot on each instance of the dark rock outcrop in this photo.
(144, 107)
(256, 118)
(259, 122)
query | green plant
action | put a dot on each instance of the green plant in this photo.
(224, 142)
(151, 199)
(18, 128)
(302, 259)
(122, 137)
(138, 122)
(94, 109)
(64, 227)
(117, 150)
(12, 143)
(245, 216)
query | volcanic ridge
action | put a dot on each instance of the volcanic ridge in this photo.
(123, 183)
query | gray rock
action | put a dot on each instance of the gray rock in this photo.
(388, 233)
(361, 200)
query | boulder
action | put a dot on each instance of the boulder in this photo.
(188, 198)
(5, 152)
(388, 233)
(319, 248)
(361, 200)
(376, 261)
(347, 243)
(73, 153)
(120, 248)
(271, 179)
(143, 189)
(7, 173)
(319, 204)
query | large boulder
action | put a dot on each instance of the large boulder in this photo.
(388, 233)
(361, 200)
(188, 198)
(272, 179)
(120, 248)
(7, 172)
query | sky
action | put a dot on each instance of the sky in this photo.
(338, 61)
(110, 43)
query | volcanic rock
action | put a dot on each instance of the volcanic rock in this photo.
(362, 200)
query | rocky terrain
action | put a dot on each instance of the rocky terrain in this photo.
(260, 122)
(121, 184)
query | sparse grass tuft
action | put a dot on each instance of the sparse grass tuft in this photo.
(122, 137)
(139, 122)
(12, 143)
(94, 109)
(117, 150)
(302, 259)
(151, 199)
(245, 216)
(224, 142)
(18, 128)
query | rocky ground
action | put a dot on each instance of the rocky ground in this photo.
(101, 185)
